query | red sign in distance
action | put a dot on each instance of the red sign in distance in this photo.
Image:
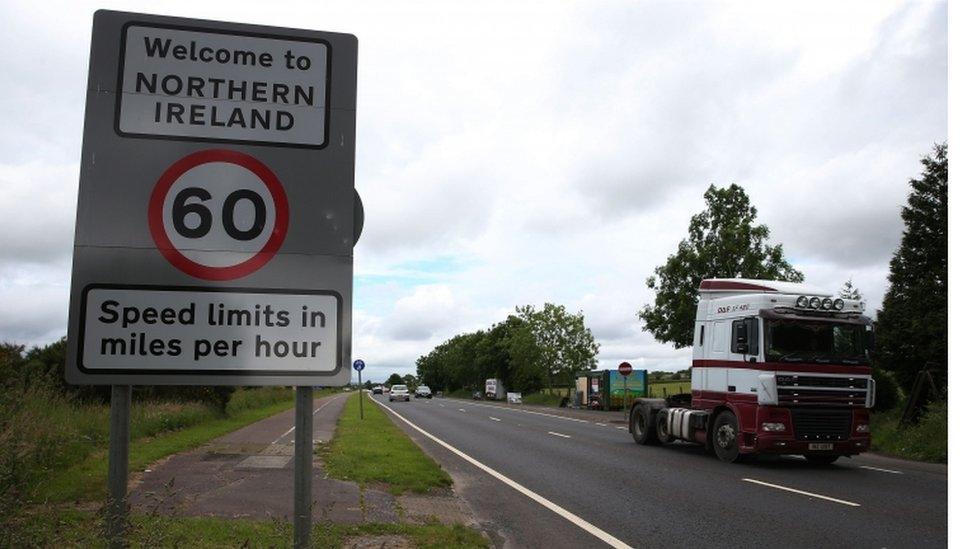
(625, 369)
(195, 202)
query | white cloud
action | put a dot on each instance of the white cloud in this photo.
(548, 152)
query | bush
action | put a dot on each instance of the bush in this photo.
(927, 440)
(887, 392)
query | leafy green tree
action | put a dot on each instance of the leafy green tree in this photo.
(566, 346)
(394, 379)
(913, 323)
(723, 241)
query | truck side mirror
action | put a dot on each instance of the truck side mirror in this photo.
(740, 337)
(745, 336)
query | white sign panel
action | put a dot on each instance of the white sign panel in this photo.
(180, 82)
(199, 331)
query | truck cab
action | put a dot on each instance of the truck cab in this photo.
(777, 368)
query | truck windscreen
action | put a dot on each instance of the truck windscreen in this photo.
(789, 340)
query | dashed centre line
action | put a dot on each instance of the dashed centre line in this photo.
(553, 433)
(802, 492)
(493, 418)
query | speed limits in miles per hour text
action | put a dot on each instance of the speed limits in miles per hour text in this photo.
(200, 331)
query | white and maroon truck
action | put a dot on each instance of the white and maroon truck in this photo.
(777, 368)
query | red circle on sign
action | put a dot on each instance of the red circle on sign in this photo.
(625, 368)
(207, 272)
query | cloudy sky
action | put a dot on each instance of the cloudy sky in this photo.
(516, 154)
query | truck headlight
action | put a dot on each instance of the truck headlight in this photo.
(863, 428)
(773, 427)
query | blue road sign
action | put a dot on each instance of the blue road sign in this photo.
(358, 365)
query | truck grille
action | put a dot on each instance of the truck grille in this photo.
(806, 390)
(817, 381)
(821, 424)
(812, 397)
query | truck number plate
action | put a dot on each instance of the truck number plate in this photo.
(821, 446)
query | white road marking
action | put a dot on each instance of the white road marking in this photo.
(288, 432)
(601, 424)
(493, 418)
(620, 427)
(602, 535)
(461, 410)
(531, 412)
(892, 471)
(795, 491)
(559, 434)
(441, 405)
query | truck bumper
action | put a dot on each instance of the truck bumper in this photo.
(768, 443)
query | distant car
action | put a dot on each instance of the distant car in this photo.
(476, 395)
(378, 390)
(423, 392)
(399, 392)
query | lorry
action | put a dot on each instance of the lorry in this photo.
(494, 389)
(777, 368)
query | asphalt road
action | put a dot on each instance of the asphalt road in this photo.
(668, 496)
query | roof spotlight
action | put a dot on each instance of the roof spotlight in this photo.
(814, 302)
(802, 302)
(826, 304)
(839, 304)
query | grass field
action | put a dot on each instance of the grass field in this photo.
(375, 451)
(661, 389)
(75, 528)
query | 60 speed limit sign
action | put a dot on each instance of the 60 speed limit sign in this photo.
(217, 208)
(221, 201)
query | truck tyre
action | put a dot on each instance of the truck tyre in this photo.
(725, 437)
(820, 459)
(640, 426)
(660, 427)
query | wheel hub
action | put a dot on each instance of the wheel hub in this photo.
(726, 436)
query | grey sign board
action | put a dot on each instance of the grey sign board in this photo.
(216, 209)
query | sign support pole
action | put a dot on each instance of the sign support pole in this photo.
(360, 394)
(118, 465)
(303, 467)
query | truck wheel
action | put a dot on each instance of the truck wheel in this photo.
(818, 459)
(640, 426)
(660, 427)
(725, 437)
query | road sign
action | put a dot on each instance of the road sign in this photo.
(625, 369)
(359, 365)
(216, 210)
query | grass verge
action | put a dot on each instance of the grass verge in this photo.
(544, 399)
(927, 440)
(75, 528)
(158, 430)
(375, 451)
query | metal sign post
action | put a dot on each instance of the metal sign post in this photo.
(303, 467)
(217, 214)
(118, 465)
(359, 365)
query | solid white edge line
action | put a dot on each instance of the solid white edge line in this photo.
(559, 434)
(892, 471)
(795, 491)
(575, 519)
(601, 424)
(493, 418)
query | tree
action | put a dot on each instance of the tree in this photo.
(723, 242)
(913, 323)
(849, 291)
(394, 379)
(566, 346)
